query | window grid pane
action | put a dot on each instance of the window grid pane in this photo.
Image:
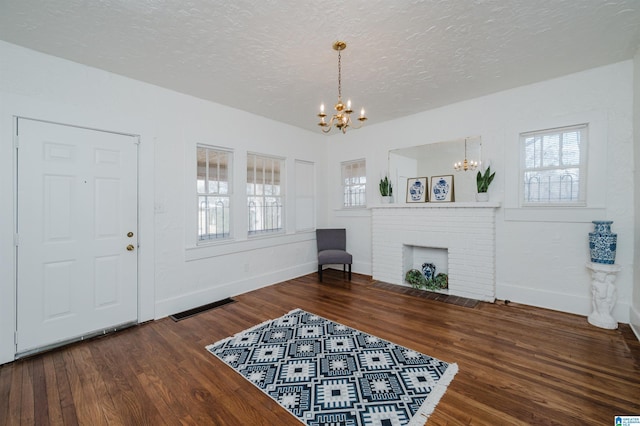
(213, 188)
(202, 169)
(264, 194)
(553, 164)
(354, 182)
(213, 217)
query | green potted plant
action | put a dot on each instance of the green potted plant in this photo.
(415, 278)
(483, 180)
(386, 190)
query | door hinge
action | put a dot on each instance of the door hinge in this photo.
(16, 141)
(15, 338)
(16, 239)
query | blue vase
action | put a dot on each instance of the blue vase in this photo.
(603, 242)
(429, 271)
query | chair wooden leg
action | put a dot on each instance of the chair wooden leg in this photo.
(320, 272)
(349, 272)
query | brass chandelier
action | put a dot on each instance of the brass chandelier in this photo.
(342, 117)
(463, 166)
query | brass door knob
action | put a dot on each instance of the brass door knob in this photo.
(130, 247)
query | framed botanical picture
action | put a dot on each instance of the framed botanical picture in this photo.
(417, 190)
(442, 189)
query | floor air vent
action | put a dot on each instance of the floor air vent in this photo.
(195, 311)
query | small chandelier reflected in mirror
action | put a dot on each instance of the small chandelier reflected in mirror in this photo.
(342, 117)
(463, 166)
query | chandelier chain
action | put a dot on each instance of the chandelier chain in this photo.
(339, 75)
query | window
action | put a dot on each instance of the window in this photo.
(554, 166)
(354, 183)
(265, 193)
(214, 190)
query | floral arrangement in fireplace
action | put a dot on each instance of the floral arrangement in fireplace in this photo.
(417, 280)
(441, 281)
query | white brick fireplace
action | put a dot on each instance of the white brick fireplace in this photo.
(465, 230)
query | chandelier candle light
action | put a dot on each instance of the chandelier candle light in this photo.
(465, 165)
(342, 117)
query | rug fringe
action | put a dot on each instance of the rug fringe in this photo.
(250, 329)
(429, 404)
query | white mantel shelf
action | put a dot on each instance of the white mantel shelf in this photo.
(465, 230)
(462, 205)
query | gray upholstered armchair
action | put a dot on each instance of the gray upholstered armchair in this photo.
(332, 246)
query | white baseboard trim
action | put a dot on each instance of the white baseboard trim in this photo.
(192, 300)
(363, 268)
(634, 316)
(570, 303)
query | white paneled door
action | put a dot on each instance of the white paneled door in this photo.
(77, 233)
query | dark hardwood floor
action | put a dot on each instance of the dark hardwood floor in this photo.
(518, 365)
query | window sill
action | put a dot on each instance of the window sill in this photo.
(214, 241)
(234, 246)
(265, 234)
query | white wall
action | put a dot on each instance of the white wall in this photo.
(634, 313)
(540, 257)
(174, 273)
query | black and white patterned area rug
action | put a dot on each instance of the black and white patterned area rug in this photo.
(325, 373)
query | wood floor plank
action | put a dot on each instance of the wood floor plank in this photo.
(518, 365)
(83, 389)
(13, 414)
(67, 404)
(5, 392)
(27, 416)
(40, 398)
(52, 393)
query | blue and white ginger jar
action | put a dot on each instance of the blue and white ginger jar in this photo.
(441, 189)
(416, 190)
(429, 271)
(603, 243)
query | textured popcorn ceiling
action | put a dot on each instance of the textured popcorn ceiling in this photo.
(274, 58)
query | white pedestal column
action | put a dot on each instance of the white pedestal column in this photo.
(604, 294)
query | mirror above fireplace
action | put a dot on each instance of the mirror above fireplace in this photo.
(436, 159)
